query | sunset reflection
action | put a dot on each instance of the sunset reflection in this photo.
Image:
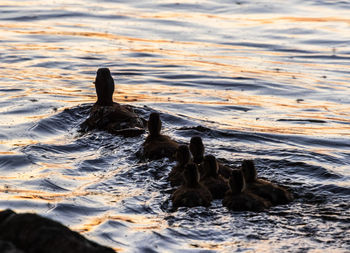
(261, 80)
(190, 55)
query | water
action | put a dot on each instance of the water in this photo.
(267, 80)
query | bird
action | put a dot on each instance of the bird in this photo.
(104, 85)
(183, 157)
(197, 150)
(157, 145)
(238, 198)
(211, 178)
(263, 188)
(191, 193)
(108, 115)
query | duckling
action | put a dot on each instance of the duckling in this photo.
(108, 115)
(224, 170)
(197, 151)
(183, 157)
(104, 85)
(211, 178)
(239, 199)
(157, 145)
(263, 188)
(191, 193)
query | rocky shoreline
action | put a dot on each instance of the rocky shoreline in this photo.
(31, 233)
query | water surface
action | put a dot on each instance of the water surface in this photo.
(266, 80)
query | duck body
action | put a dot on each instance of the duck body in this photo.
(191, 197)
(277, 195)
(238, 198)
(211, 179)
(175, 176)
(224, 170)
(245, 201)
(217, 186)
(191, 193)
(197, 150)
(226, 167)
(116, 118)
(157, 145)
(183, 157)
(108, 115)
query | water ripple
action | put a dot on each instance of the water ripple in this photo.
(255, 79)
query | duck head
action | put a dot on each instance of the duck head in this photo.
(197, 149)
(237, 181)
(104, 85)
(154, 124)
(183, 154)
(210, 166)
(249, 171)
(191, 175)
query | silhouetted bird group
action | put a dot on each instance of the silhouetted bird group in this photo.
(199, 178)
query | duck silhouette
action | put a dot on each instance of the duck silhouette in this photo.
(183, 157)
(108, 115)
(104, 85)
(197, 150)
(263, 188)
(237, 198)
(157, 145)
(211, 178)
(191, 193)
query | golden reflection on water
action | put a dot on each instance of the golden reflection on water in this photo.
(80, 185)
(18, 142)
(137, 222)
(240, 62)
(196, 57)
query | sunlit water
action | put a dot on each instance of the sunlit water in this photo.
(268, 80)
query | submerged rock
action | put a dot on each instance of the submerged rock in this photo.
(31, 233)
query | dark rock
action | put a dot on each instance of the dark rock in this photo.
(7, 247)
(32, 233)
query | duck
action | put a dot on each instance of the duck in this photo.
(224, 170)
(108, 115)
(238, 198)
(157, 145)
(197, 150)
(276, 194)
(183, 157)
(211, 178)
(191, 193)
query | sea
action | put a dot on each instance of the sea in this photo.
(256, 79)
